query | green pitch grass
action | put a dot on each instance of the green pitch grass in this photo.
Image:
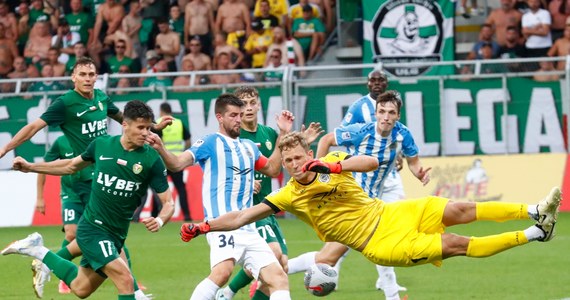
(170, 269)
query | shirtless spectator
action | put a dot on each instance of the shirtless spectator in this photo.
(536, 29)
(278, 8)
(559, 11)
(200, 60)
(151, 58)
(8, 51)
(224, 64)
(80, 21)
(64, 40)
(233, 19)
(167, 44)
(257, 44)
(561, 48)
(266, 19)
(109, 17)
(290, 48)
(131, 25)
(221, 46)
(21, 70)
(485, 37)
(38, 45)
(176, 23)
(503, 17)
(52, 59)
(185, 80)
(328, 14)
(199, 21)
(542, 73)
(79, 50)
(8, 19)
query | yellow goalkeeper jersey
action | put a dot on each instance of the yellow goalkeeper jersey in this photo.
(333, 204)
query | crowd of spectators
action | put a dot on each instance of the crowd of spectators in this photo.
(530, 28)
(153, 36)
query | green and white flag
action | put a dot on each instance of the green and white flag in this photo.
(404, 31)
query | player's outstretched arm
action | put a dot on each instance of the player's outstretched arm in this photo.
(418, 170)
(173, 163)
(56, 167)
(226, 222)
(325, 144)
(40, 203)
(26, 133)
(154, 224)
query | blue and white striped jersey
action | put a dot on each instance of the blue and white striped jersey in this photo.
(362, 139)
(228, 165)
(362, 110)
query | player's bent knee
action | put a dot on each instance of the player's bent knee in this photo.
(274, 277)
(453, 245)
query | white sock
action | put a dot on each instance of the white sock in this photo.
(302, 262)
(339, 262)
(205, 290)
(39, 252)
(280, 295)
(533, 212)
(228, 293)
(533, 233)
(387, 279)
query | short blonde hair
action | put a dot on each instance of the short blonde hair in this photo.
(292, 140)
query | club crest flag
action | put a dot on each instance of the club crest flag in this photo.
(405, 31)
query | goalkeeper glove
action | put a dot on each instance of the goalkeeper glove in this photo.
(188, 231)
(318, 166)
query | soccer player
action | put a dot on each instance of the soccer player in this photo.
(387, 187)
(324, 194)
(229, 163)
(265, 138)
(71, 205)
(81, 114)
(124, 167)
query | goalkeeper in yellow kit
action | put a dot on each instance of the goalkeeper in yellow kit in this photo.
(323, 194)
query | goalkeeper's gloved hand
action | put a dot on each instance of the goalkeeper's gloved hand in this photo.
(188, 231)
(318, 166)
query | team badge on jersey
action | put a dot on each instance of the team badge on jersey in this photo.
(345, 136)
(100, 106)
(137, 168)
(324, 178)
(198, 143)
(268, 145)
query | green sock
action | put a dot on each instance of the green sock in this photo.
(64, 253)
(62, 268)
(239, 281)
(127, 297)
(128, 255)
(259, 296)
(64, 243)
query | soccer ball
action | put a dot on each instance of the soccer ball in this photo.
(321, 279)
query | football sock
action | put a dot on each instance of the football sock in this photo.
(64, 243)
(62, 268)
(533, 233)
(259, 295)
(239, 281)
(302, 262)
(388, 284)
(280, 295)
(228, 293)
(127, 297)
(206, 289)
(64, 253)
(533, 212)
(500, 211)
(493, 244)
